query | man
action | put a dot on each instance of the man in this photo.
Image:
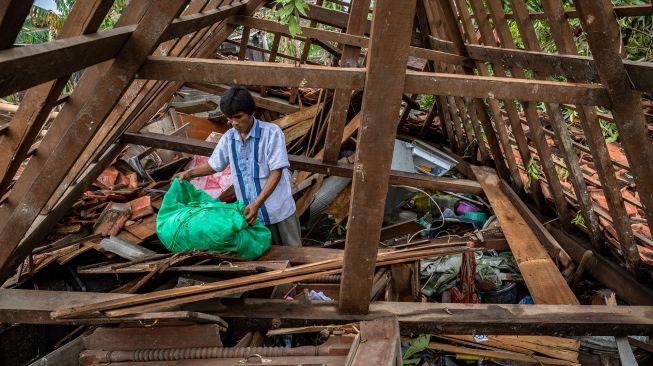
(256, 152)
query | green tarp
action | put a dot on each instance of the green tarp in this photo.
(191, 219)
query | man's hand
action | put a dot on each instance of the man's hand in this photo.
(251, 212)
(185, 175)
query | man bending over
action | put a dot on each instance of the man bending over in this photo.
(256, 152)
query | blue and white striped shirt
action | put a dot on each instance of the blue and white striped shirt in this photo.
(251, 161)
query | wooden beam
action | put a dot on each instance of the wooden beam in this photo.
(34, 307)
(580, 68)
(431, 318)
(12, 17)
(543, 279)
(36, 106)
(303, 163)
(335, 18)
(24, 67)
(250, 73)
(265, 73)
(386, 62)
(504, 88)
(604, 37)
(340, 104)
(40, 181)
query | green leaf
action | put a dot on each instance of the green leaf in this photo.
(416, 345)
(578, 219)
(293, 27)
(301, 7)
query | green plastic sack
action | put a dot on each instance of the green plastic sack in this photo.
(191, 219)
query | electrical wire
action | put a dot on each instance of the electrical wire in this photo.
(434, 202)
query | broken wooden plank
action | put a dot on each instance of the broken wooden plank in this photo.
(543, 279)
(172, 297)
(302, 255)
(549, 242)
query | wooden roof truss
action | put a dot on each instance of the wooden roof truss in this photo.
(474, 70)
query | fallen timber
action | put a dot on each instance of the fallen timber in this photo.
(24, 306)
(166, 298)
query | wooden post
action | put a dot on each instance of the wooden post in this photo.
(598, 21)
(356, 25)
(244, 42)
(386, 63)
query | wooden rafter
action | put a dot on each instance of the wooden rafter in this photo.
(604, 38)
(39, 182)
(38, 102)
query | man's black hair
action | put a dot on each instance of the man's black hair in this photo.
(237, 99)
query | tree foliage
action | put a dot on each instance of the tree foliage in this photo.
(42, 25)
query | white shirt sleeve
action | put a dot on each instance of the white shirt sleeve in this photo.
(220, 157)
(277, 155)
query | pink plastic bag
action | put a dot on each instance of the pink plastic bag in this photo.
(214, 184)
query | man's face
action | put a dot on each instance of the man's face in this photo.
(241, 121)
